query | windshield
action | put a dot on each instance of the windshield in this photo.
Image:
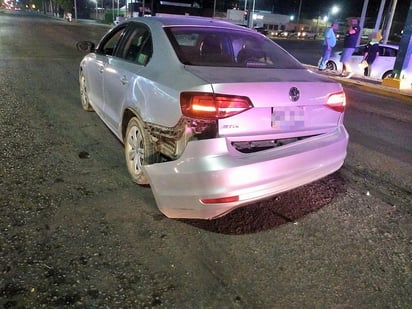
(208, 46)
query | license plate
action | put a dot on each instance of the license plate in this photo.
(288, 117)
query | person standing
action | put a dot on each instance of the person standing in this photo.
(349, 45)
(329, 42)
(372, 51)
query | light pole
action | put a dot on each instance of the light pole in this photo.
(389, 23)
(75, 10)
(379, 18)
(362, 19)
(298, 21)
(95, 1)
(251, 13)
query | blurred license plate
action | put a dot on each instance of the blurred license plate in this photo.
(284, 117)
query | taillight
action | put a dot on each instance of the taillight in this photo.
(202, 105)
(337, 101)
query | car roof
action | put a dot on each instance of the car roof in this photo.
(384, 45)
(183, 20)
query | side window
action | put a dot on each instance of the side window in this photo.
(387, 52)
(138, 48)
(111, 42)
(146, 51)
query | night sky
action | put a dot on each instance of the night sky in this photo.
(312, 8)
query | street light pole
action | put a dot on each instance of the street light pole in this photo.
(389, 23)
(298, 21)
(379, 19)
(362, 21)
(251, 13)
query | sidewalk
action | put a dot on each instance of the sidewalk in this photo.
(373, 84)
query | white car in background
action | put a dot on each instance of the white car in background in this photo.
(382, 67)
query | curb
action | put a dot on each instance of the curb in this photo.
(373, 85)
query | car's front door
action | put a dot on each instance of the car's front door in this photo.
(104, 52)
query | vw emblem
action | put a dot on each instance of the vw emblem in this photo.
(294, 94)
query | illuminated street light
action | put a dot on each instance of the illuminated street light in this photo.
(334, 10)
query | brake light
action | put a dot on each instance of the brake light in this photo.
(337, 101)
(202, 105)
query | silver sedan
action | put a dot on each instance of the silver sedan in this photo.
(213, 116)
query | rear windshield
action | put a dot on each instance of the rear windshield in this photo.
(209, 46)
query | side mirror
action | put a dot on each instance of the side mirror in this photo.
(85, 46)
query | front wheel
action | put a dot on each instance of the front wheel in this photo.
(139, 150)
(83, 93)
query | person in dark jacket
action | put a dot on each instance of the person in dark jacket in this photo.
(372, 51)
(349, 45)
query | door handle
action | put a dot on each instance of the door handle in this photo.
(101, 68)
(124, 80)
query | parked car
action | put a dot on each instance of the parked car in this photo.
(262, 30)
(306, 35)
(340, 35)
(213, 116)
(382, 66)
(287, 34)
(274, 33)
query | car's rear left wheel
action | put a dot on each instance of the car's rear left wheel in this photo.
(139, 150)
(83, 93)
(331, 66)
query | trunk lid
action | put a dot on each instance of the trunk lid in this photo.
(288, 103)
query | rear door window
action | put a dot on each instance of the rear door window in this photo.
(138, 46)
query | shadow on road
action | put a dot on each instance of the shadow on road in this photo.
(271, 213)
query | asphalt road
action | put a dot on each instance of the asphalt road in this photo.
(77, 233)
(306, 51)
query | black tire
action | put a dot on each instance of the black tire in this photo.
(83, 93)
(139, 150)
(387, 74)
(331, 66)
